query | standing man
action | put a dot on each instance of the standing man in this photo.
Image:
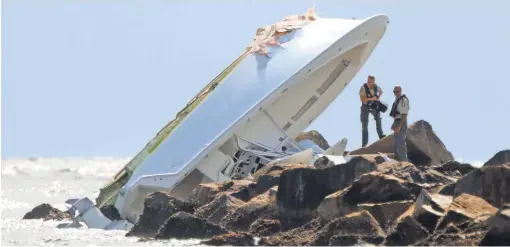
(369, 94)
(399, 112)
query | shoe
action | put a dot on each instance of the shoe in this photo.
(381, 137)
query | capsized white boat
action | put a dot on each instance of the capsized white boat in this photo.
(247, 117)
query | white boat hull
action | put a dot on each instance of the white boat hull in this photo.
(263, 104)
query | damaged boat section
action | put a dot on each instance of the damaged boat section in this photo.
(247, 117)
(266, 38)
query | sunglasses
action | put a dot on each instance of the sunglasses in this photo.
(396, 91)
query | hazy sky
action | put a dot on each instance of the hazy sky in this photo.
(100, 78)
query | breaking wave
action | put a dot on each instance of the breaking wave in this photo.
(28, 182)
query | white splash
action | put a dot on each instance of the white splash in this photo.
(28, 182)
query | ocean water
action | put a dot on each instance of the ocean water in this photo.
(27, 183)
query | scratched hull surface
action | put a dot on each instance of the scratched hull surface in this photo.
(253, 79)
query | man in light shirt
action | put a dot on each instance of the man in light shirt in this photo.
(399, 111)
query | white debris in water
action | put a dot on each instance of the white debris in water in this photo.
(27, 183)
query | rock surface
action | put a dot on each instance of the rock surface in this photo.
(183, 225)
(424, 148)
(158, 206)
(301, 190)
(429, 209)
(46, 212)
(235, 239)
(407, 232)
(205, 193)
(269, 176)
(464, 209)
(265, 227)
(386, 213)
(360, 226)
(218, 208)
(499, 233)
(500, 158)
(261, 206)
(491, 183)
(452, 166)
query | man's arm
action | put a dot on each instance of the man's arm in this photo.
(404, 109)
(362, 95)
(380, 92)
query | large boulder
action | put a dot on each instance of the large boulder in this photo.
(407, 231)
(369, 188)
(298, 236)
(500, 158)
(429, 208)
(242, 217)
(424, 148)
(265, 227)
(469, 233)
(446, 190)
(450, 167)
(206, 192)
(492, 183)
(269, 175)
(464, 209)
(376, 188)
(402, 170)
(219, 207)
(183, 225)
(386, 213)
(334, 206)
(315, 137)
(47, 212)
(301, 190)
(499, 234)
(360, 226)
(158, 206)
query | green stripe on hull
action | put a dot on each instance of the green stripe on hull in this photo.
(108, 194)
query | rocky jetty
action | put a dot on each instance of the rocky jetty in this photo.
(431, 200)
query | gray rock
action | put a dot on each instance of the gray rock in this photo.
(491, 183)
(500, 158)
(424, 148)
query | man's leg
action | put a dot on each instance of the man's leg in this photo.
(400, 143)
(378, 123)
(364, 125)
